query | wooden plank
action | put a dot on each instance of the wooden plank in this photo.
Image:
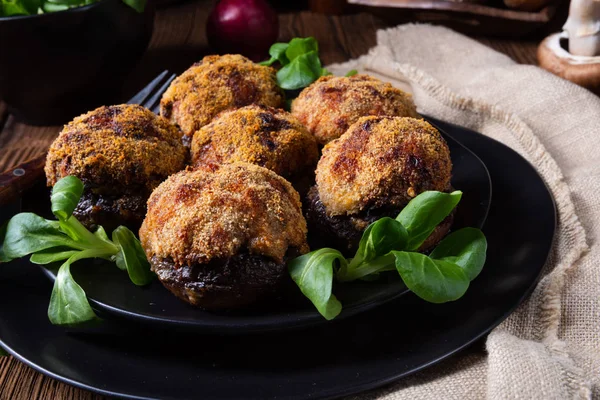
(20, 142)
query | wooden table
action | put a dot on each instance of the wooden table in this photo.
(179, 40)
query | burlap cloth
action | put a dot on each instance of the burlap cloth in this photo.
(550, 347)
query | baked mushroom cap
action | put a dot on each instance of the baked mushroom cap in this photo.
(265, 136)
(372, 171)
(331, 104)
(121, 153)
(219, 236)
(215, 84)
(382, 161)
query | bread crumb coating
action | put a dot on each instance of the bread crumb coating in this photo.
(216, 212)
(331, 104)
(265, 136)
(382, 162)
(215, 84)
(117, 147)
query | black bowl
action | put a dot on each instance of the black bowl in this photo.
(55, 66)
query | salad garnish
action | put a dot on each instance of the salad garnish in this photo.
(391, 244)
(67, 240)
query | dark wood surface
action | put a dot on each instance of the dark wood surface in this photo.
(178, 41)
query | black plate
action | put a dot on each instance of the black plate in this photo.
(111, 292)
(331, 360)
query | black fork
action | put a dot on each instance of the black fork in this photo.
(150, 95)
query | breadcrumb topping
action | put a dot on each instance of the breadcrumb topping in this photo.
(265, 136)
(117, 146)
(331, 104)
(382, 161)
(215, 84)
(217, 211)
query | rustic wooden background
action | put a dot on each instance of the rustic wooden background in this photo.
(179, 40)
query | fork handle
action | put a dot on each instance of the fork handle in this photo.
(17, 180)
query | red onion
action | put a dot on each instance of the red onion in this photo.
(247, 27)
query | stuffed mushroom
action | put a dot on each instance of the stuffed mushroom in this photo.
(219, 237)
(346, 99)
(265, 136)
(121, 153)
(372, 171)
(215, 84)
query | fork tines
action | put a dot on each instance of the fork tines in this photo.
(150, 95)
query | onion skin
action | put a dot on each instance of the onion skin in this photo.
(247, 27)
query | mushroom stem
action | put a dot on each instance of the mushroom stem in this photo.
(582, 70)
(583, 28)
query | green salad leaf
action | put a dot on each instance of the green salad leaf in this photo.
(52, 255)
(277, 53)
(28, 233)
(466, 248)
(68, 304)
(313, 273)
(3, 352)
(381, 237)
(68, 240)
(423, 213)
(131, 256)
(65, 196)
(137, 5)
(300, 46)
(300, 72)
(9, 8)
(49, 7)
(435, 281)
(299, 62)
(390, 245)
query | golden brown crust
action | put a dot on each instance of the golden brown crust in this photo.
(217, 212)
(123, 145)
(215, 84)
(265, 136)
(331, 104)
(382, 162)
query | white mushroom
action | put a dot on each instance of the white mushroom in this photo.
(574, 54)
(583, 28)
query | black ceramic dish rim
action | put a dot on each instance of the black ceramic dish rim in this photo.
(49, 15)
(350, 389)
